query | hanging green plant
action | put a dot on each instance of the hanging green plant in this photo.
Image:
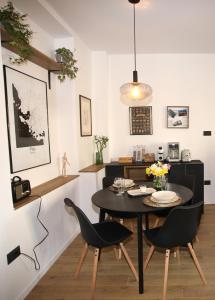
(19, 32)
(69, 69)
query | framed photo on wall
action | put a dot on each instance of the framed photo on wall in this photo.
(85, 116)
(140, 120)
(27, 118)
(178, 116)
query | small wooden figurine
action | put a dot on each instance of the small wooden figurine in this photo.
(64, 163)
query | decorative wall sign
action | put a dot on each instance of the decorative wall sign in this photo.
(27, 117)
(85, 116)
(140, 120)
(178, 116)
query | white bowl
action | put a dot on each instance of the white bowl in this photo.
(164, 196)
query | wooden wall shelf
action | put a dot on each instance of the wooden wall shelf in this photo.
(45, 188)
(36, 57)
(92, 169)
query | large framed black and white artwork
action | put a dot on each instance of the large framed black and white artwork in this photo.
(27, 117)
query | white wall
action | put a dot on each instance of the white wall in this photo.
(84, 88)
(100, 90)
(176, 79)
(20, 227)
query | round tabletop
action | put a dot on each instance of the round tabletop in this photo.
(108, 200)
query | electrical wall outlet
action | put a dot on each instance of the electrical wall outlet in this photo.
(207, 133)
(12, 255)
(207, 182)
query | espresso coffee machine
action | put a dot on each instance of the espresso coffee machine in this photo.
(173, 152)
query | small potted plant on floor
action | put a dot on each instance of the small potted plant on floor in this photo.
(19, 32)
(66, 57)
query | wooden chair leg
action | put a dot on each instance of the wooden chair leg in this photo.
(177, 254)
(166, 268)
(197, 238)
(156, 222)
(120, 252)
(132, 225)
(151, 251)
(95, 266)
(198, 267)
(116, 252)
(129, 261)
(83, 255)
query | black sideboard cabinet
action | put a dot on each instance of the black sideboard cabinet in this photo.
(136, 171)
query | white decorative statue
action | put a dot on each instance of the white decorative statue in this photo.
(64, 163)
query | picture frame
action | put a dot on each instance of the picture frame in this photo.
(27, 120)
(177, 116)
(85, 116)
(140, 118)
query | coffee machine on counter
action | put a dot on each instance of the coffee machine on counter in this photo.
(173, 152)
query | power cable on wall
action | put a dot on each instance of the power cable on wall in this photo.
(35, 259)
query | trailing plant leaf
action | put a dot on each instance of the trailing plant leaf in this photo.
(68, 61)
(19, 32)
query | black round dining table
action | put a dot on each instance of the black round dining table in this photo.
(106, 199)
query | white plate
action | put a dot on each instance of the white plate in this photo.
(164, 196)
(138, 192)
(165, 201)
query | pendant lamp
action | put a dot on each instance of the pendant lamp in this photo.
(135, 93)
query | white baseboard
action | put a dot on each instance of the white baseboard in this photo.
(39, 275)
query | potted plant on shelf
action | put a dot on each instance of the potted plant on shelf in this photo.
(66, 57)
(19, 32)
(101, 144)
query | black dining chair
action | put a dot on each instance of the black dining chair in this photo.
(179, 229)
(100, 235)
(185, 180)
(106, 183)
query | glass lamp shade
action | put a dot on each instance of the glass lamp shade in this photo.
(135, 94)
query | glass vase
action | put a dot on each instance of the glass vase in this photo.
(159, 183)
(99, 158)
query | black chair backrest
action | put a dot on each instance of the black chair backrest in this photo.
(186, 180)
(107, 181)
(88, 231)
(181, 225)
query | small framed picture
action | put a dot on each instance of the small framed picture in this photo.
(177, 116)
(140, 120)
(85, 116)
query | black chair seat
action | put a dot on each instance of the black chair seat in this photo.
(112, 233)
(179, 228)
(186, 180)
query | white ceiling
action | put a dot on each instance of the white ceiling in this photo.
(164, 26)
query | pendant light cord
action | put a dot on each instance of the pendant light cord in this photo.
(135, 62)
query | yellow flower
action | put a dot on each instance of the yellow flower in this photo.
(158, 169)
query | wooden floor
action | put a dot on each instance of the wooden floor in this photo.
(115, 280)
